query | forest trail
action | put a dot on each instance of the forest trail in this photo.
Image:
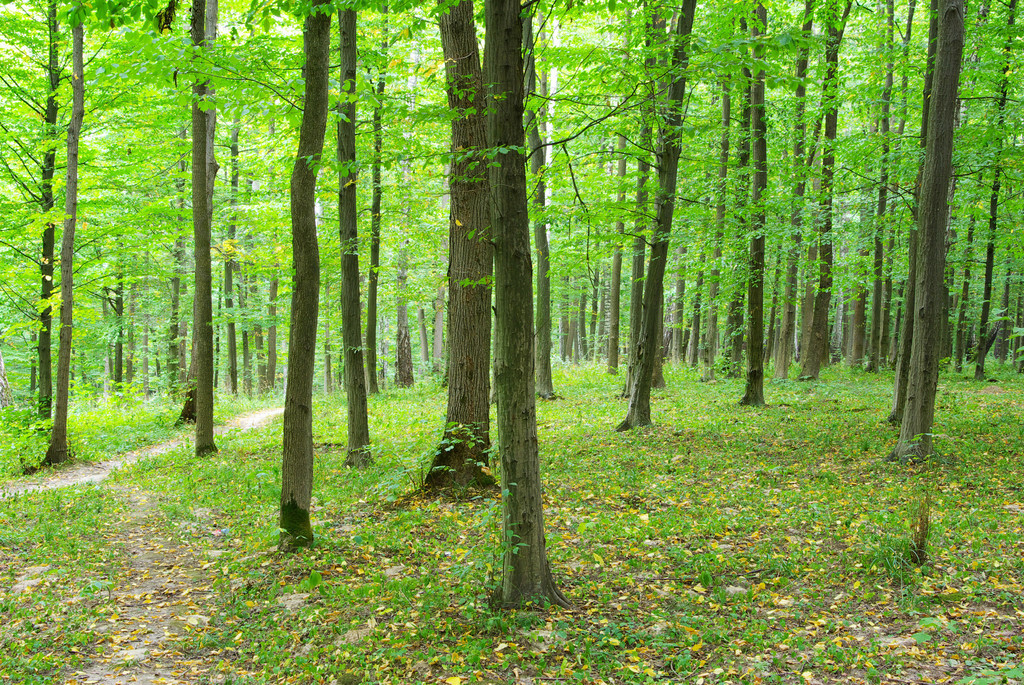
(94, 472)
(163, 592)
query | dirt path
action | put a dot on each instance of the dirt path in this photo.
(164, 593)
(94, 472)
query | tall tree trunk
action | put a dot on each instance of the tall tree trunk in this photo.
(47, 170)
(535, 125)
(270, 377)
(297, 461)
(711, 330)
(615, 288)
(403, 341)
(58, 450)
(231, 266)
(437, 353)
(817, 348)
(462, 457)
(648, 345)
(355, 379)
(526, 575)
(693, 350)
(961, 323)
(915, 440)
(373, 273)
(204, 170)
(754, 393)
(679, 310)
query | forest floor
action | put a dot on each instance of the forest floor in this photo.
(722, 545)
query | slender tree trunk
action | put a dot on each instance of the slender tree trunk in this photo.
(58, 450)
(535, 125)
(355, 379)
(754, 393)
(615, 289)
(437, 353)
(231, 266)
(961, 324)
(297, 462)
(679, 311)
(915, 440)
(817, 347)
(6, 396)
(403, 341)
(373, 273)
(711, 330)
(648, 345)
(693, 351)
(462, 457)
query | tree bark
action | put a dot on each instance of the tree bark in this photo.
(204, 170)
(711, 330)
(355, 380)
(462, 457)
(915, 441)
(373, 273)
(754, 393)
(817, 347)
(231, 266)
(535, 125)
(526, 575)
(648, 345)
(59, 451)
(615, 289)
(297, 461)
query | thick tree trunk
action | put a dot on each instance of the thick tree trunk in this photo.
(754, 393)
(462, 457)
(648, 346)
(58, 450)
(355, 379)
(526, 575)
(204, 170)
(915, 441)
(297, 462)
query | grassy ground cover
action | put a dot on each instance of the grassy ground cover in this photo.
(723, 544)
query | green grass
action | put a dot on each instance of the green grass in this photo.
(723, 544)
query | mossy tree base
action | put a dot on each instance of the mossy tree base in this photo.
(296, 530)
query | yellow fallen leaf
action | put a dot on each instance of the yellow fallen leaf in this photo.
(454, 680)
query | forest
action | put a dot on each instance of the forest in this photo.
(583, 341)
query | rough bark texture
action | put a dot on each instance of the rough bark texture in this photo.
(203, 174)
(915, 441)
(649, 344)
(297, 461)
(58, 450)
(754, 393)
(355, 380)
(526, 575)
(462, 457)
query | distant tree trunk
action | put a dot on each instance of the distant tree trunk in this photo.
(421, 324)
(437, 353)
(535, 124)
(58, 450)
(297, 462)
(648, 345)
(693, 350)
(6, 396)
(915, 440)
(679, 311)
(173, 333)
(231, 266)
(403, 341)
(817, 348)
(462, 457)
(270, 379)
(711, 330)
(373, 273)
(355, 379)
(1002, 341)
(204, 171)
(754, 393)
(584, 348)
(615, 289)
(526, 575)
(961, 324)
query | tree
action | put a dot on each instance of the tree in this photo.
(204, 172)
(355, 381)
(526, 575)
(648, 346)
(58, 450)
(754, 393)
(297, 460)
(915, 440)
(462, 457)
(373, 272)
